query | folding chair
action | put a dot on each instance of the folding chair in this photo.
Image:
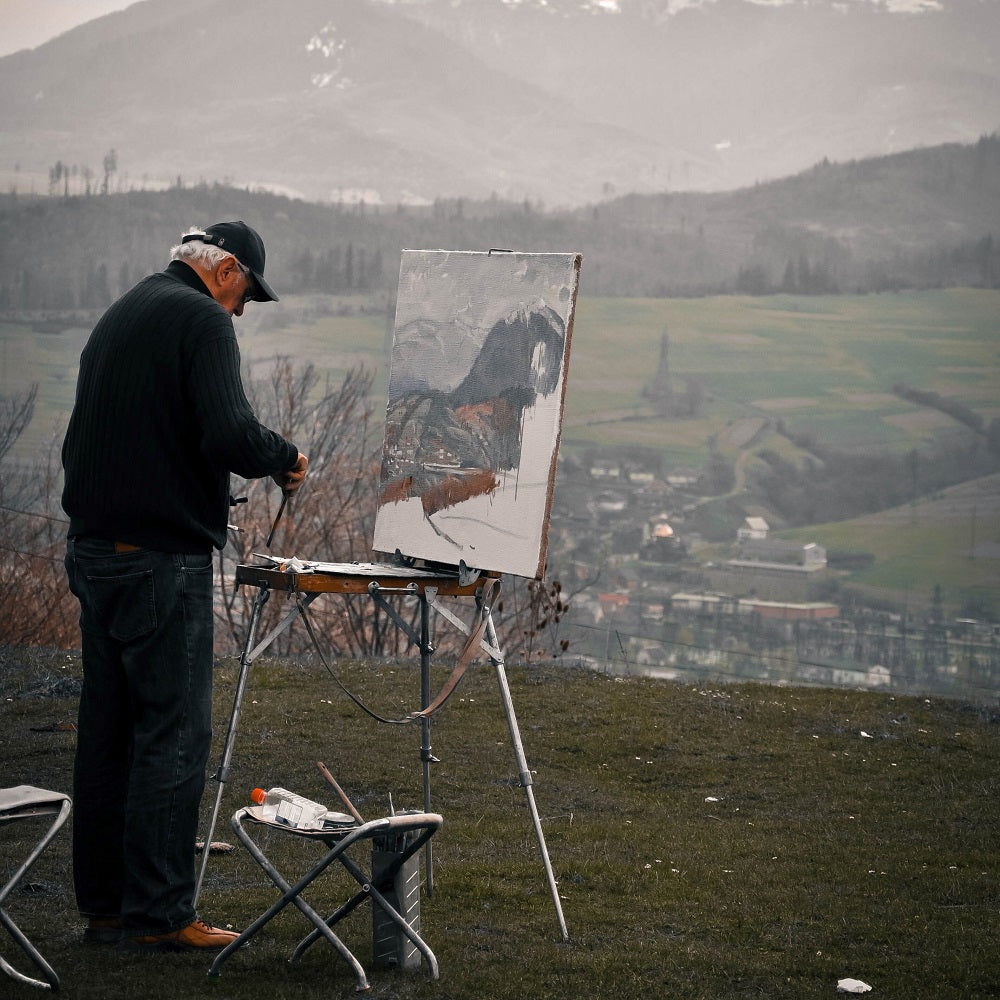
(25, 802)
(394, 841)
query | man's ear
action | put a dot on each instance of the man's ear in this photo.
(225, 268)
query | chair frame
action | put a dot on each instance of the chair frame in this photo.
(20, 803)
(337, 842)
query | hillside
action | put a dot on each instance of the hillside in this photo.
(924, 218)
(947, 540)
(563, 102)
(710, 841)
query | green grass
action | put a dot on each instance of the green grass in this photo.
(830, 352)
(710, 842)
(950, 539)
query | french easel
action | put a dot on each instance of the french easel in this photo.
(380, 582)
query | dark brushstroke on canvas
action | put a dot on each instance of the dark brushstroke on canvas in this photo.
(446, 447)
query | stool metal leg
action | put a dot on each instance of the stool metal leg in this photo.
(368, 889)
(290, 894)
(423, 824)
(51, 981)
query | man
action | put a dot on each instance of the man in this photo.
(160, 421)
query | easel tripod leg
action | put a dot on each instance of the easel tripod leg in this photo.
(426, 757)
(525, 777)
(227, 753)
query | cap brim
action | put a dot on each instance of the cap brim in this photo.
(263, 292)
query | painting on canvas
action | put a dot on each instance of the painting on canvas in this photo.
(476, 389)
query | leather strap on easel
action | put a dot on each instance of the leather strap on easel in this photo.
(491, 588)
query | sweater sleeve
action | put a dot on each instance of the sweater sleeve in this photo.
(232, 436)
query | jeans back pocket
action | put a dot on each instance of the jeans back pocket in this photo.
(124, 605)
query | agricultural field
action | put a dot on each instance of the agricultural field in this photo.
(822, 366)
(335, 335)
(950, 540)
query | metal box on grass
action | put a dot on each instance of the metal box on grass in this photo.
(392, 948)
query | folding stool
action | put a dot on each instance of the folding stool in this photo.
(26, 802)
(411, 830)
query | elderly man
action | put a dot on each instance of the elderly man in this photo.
(160, 421)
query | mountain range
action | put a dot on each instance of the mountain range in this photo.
(560, 102)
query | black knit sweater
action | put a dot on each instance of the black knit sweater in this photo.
(161, 419)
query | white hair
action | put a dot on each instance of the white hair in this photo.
(198, 252)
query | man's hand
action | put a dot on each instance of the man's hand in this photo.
(292, 479)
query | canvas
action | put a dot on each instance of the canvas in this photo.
(476, 388)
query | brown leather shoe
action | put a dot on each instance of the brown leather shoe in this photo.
(102, 930)
(195, 935)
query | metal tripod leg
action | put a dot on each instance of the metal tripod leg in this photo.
(426, 757)
(525, 775)
(234, 718)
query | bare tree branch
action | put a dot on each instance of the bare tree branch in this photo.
(15, 414)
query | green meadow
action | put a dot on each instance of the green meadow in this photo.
(823, 364)
(950, 540)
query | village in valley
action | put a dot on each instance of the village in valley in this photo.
(648, 594)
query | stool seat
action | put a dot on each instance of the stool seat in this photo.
(410, 830)
(23, 802)
(26, 797)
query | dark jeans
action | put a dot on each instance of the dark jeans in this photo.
(144, 731)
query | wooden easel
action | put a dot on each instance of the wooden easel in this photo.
(379, 582)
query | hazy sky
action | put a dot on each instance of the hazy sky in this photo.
(25, 24)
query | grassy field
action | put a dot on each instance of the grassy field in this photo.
(710, 842)
(823, 364)
(951, 540)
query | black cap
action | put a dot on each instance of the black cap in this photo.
(245, 244)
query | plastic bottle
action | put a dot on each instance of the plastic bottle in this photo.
(282, 806)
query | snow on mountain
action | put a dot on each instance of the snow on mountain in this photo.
(562, 101)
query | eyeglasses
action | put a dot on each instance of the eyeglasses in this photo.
(251, 289)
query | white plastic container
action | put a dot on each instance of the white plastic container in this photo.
(282, 806)
(279, 805)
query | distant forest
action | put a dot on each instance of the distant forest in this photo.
(923, 219)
